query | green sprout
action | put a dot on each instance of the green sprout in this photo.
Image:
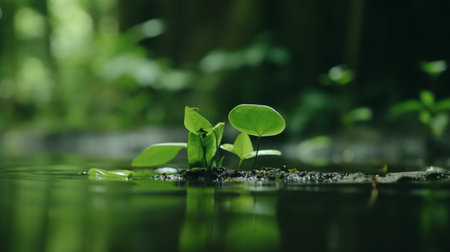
(204, 139)
(256, 120)
(243, 148)
(431, 113)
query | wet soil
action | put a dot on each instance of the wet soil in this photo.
(299, 176)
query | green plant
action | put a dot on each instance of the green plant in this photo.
(204, 139)
(243, 148)
(432, 113)
(256, 120)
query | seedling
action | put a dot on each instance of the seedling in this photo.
(243, 148)
(204, 139)
(256, 120)
(432, 113)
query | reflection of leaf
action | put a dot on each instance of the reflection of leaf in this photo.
(406, 107)
(99, 174)
(158, 154)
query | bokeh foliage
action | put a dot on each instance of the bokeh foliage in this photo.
(116, 64)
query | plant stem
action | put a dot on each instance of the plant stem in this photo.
(257, 149)
(203, 151)
(217, 149)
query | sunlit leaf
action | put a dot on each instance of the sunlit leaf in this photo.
(196, 123)
(256, 120)
(100, 174)
(227, 147)
(263, 153)
(158, 154)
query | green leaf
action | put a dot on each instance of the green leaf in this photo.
(158, 154)
(263, 153)
(201, 148)
(218, 131)
(256, 120)
(443, 105)
(434, 68)
(227, 147)
(242, 146)
(99, 174)
(425, 117)
(427, 98)
(196, 123)
(406, 107)
(194, 151)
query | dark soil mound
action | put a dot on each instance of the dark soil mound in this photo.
(215, 174)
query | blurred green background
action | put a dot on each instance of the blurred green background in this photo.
(102, 65)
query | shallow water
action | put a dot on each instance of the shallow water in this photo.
(51, 206)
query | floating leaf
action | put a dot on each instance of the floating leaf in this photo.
(100, 174)
(196, 123)
(256, 120)
(158, 154)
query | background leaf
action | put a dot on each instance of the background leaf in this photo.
(256, 120)
(443, 105)
(406, 107)
(158, 154)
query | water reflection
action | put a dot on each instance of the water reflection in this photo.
(55, 209)
(229, 221)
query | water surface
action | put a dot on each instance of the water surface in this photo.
(50, 206)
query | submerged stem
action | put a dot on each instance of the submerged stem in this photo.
(257, 149)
